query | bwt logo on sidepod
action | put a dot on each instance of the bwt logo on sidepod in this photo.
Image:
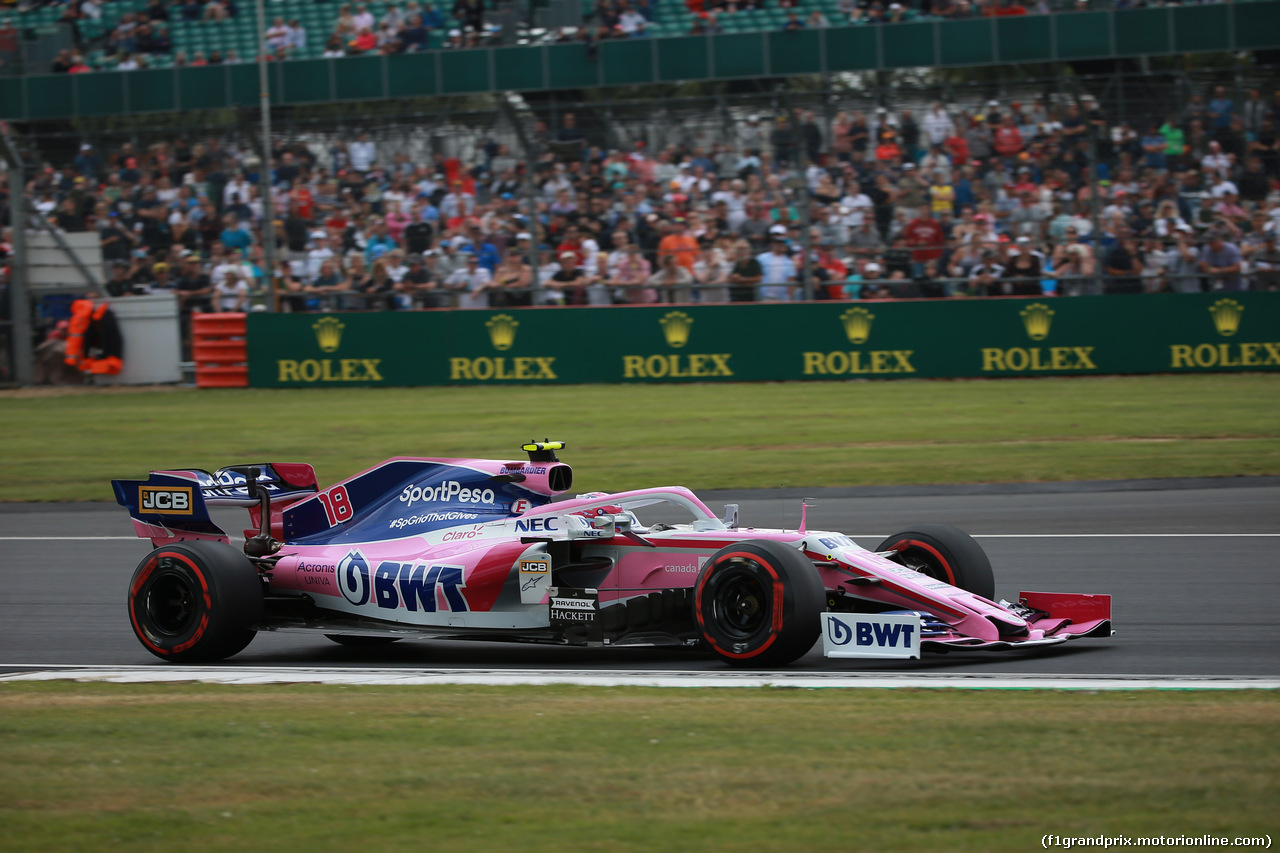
(449, 490)
(396, 585)
(353, 578)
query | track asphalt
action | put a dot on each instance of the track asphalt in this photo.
(1191, 566)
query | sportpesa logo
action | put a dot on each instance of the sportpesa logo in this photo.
(449, 490)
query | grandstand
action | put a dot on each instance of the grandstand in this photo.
(190, 40)
(1045, 179)
(238, 34)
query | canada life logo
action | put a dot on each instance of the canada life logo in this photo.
(353, 578)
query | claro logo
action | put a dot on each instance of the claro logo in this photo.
(449, 490)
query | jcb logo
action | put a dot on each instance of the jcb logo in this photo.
(172, 501)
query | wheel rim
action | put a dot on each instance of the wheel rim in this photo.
(171, 601)
(922, 565)
(920, 560)
(739, 603)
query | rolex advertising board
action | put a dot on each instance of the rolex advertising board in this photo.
(1156, 333)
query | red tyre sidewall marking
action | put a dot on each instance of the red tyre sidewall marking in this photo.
(777, 604)
(142, 578)
(916, 543)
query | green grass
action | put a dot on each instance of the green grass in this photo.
(67, 446)
(200, 767)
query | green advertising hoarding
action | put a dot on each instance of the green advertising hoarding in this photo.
(1158, 333)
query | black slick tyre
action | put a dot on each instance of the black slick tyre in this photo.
(944, 553)
(194, 602)
(758, 603)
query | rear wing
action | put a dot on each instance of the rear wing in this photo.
(170, 506)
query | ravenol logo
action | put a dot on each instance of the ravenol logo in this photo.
(675, 327)
(502, 331)
(857, 324)
(328, 333)
(1037, 317)
(1226, 316)
(170, 500)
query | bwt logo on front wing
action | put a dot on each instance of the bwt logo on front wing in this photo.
(870, 634)
(170, 501)
(882, 635)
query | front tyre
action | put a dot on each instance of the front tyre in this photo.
(758, 604)
(195, 601)
(944, 553)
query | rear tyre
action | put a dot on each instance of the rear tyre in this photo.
(944, 553)
(758, 604)
(195, 601)
(359, 642)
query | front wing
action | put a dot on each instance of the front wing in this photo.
(1052, 618)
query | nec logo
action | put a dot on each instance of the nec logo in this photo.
(536, 525)
(171, 501)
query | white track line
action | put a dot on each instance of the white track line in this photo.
(625, 678)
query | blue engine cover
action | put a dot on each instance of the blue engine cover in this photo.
(405, 498)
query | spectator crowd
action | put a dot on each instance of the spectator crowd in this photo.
(951, 203)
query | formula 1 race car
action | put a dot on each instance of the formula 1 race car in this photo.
(478, 549)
